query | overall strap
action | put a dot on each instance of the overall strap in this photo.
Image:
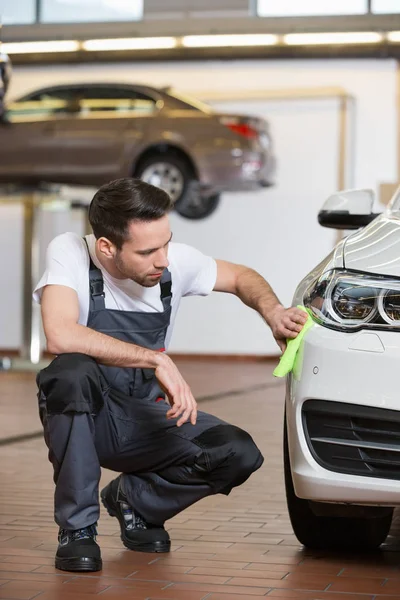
(166, 289)
(96, 285)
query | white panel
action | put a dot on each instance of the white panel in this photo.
(72, 11)
(269, 230)
(11, 276)
(295, 8)
(386, 6)
(22, 12)
(167, 9)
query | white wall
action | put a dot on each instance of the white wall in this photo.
(275, 230)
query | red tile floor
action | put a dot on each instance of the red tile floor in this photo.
(240, 547)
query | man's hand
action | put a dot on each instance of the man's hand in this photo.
(286, 323)
(179, 394)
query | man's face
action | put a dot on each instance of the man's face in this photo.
(144, 256)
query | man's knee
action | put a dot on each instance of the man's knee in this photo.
(229, 456)
(71, 383)
(248, 457)
(68, 371)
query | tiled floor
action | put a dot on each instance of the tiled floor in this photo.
(240, 547)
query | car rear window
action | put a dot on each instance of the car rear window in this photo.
(188, 102)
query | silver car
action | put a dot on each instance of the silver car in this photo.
(89, 134)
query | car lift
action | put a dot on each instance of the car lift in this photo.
(33, 198)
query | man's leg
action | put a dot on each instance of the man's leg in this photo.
(165, 468)
(70, 395)
(168, 468)
(223, 457)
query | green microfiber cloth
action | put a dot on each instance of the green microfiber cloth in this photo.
(288, 358)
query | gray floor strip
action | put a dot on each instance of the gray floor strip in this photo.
(15, 439)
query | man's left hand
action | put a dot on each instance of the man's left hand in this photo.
(286, 323)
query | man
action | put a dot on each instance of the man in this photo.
(112, 397)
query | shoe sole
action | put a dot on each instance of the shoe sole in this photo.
(78, 563)
(150, 547)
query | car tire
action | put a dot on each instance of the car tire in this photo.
(180, 183)
(196, 207)
(331, 533)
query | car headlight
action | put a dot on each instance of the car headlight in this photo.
(350, 301)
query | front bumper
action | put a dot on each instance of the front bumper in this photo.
(353, 369)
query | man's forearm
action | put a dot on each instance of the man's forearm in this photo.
(104, 348)
(254, 291)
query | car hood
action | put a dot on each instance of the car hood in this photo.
(375, 248)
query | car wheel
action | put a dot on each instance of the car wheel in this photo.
(194, 206)
(175, 176)
(331, 533)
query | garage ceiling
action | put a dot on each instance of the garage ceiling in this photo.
(178, 18)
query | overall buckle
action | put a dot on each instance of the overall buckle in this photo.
(97, 288)
(166, 289)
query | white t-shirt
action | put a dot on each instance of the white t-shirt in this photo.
(67, 263)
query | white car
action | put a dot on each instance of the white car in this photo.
(342, 425)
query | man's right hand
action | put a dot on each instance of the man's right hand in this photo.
(182, 402)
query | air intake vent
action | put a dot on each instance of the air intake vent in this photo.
(354, 439)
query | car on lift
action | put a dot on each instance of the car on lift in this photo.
(89, 134)
(342, 416)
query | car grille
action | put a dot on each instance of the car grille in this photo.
(348, 438)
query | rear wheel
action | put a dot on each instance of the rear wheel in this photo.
(332, 532)
(175, 175)
(195, 206)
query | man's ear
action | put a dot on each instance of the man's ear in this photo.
(107, 248)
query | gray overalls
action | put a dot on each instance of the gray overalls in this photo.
(100, 416)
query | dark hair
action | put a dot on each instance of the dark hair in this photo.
(119, 202)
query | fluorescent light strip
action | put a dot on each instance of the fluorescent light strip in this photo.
(320, 39)
(145, 43)
(201, 41)
(33, 47)
(213, 41)
(393, 36)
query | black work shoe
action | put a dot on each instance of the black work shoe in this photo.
(136, 533)
(78, 551)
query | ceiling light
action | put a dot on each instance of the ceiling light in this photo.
(34, 47)
(203, 41)
(145, 43)
(393, 36)
(311, 39)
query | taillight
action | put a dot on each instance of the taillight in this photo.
(243, 129)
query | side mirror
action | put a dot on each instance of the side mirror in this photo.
(349, 209)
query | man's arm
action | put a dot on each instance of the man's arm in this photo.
(60, 313)
(254, 291)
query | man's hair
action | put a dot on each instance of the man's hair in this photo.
(119, 202)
